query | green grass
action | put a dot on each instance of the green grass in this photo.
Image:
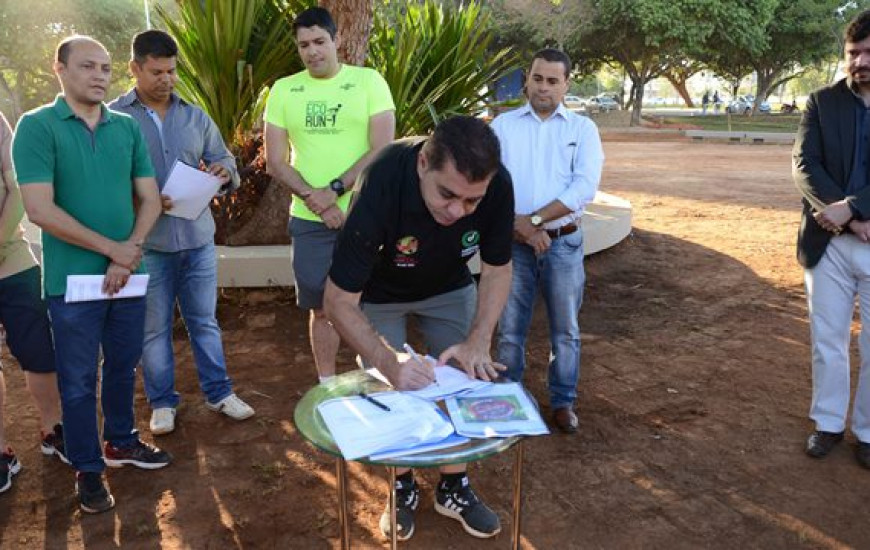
(739, 123)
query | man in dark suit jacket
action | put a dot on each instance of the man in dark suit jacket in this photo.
(830, 168)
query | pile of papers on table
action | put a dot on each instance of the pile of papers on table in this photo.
(360, 428)
(414, 423)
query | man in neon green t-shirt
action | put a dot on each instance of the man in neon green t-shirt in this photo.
(333, 118)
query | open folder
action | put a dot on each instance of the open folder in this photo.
(190, 189)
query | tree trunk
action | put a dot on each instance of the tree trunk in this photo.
(682, 89)
(268, 225)
(637, 99)
(354, 21)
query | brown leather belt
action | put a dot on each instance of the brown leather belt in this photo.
(566, 229)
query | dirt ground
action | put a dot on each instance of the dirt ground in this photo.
(694, 393)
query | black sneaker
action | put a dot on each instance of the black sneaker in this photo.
(862, 453)
(462, 504)
(9, 466)
(407, 501)
(139, 454)
(94, 496)
(52, 444)
(820, 443)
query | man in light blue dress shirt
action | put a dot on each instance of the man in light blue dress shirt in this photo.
(179, 253)
(555, 160)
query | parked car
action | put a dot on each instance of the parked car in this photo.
(603, 103)
(742, 105)
(574, 103)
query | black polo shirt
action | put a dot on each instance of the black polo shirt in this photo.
(391, 248)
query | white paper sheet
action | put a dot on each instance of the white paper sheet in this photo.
(85, 288)
(448, 381)
(361, 428)
(452, 440)
(190, 190)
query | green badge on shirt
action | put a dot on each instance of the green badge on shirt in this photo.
(470, 243)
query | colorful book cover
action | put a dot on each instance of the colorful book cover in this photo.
(494, 408)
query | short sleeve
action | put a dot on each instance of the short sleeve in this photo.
(142, 167)
(361, 238)
(380, 98)
(274, 105)
(498, 228)
(33, 154)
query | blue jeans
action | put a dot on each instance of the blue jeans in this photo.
(559, 275)
(190, 277)
(79, 331)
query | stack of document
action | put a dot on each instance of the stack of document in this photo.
(448, 381)
(361, 428)
(496, 410)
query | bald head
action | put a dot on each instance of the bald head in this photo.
(84, 69)
(67, 44)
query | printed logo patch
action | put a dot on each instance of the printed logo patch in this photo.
(347, 86)
(298, 89)
(406, 247)
(470, 243)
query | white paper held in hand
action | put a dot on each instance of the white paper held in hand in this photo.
(190, 189)
(86, 288)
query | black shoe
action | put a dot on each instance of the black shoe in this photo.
(820, 443)
(94, 496)
(139, 454)
(462, 504)
(862, 453)
(52, 444)
(9, 466)
(407, 501)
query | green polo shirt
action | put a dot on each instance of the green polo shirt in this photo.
(92, 175)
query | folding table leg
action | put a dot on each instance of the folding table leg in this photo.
(394, 535)
(343, 519)
(518, 495)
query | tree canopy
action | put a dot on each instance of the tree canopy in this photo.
(30, 32)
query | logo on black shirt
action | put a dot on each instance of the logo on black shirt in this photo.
(407, 248)
(318, 114)
(470, 243)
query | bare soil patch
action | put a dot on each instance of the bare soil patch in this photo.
(694, 391)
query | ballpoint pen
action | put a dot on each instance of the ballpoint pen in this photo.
(374, 401)
(417, 358)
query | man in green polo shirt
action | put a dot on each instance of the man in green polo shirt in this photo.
(79, 167)
(335, 117)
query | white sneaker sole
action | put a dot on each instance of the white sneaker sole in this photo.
(144, 465)
(222, 409)
(49, 451)
(444, 511)
(90, 510)
(12, 471)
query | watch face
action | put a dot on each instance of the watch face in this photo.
(536, 220)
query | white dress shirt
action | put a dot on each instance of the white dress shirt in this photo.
(557, 158)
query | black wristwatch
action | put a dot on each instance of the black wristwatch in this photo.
(338, 186)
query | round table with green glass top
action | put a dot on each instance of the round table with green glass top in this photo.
(312, 427)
